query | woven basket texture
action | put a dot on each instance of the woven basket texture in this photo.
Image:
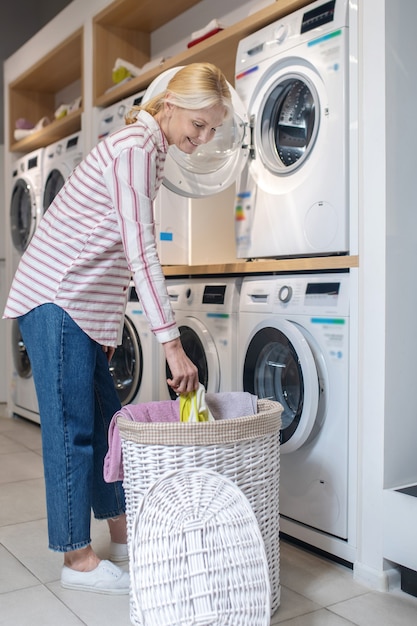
(197, 554)
(245, 450)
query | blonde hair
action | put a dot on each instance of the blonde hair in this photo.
(195, 86)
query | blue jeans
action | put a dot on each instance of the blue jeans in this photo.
(77, 400)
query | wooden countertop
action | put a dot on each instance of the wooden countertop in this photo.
(265, 266)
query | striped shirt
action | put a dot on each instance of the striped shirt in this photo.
(98, 233)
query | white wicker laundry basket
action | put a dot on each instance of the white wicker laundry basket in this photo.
(244, 450)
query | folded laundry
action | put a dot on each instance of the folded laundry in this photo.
(23, 124)
(213, 27)
(21, 133)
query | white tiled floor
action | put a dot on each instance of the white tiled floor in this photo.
(315, 591)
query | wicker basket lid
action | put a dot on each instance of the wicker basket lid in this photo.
(197, 555)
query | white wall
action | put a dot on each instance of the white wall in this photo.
(3, 291)
(388, 294)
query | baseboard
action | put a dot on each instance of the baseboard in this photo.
(386, 580)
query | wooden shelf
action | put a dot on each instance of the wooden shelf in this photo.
(49, 134)
(265, 266)
(32, 95)
(111, 43)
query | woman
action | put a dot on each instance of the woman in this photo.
(69, 295)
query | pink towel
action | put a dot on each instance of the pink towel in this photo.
(163, 411)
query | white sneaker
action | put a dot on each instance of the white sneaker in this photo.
(105, 578)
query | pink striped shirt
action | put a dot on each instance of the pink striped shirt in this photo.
(98, 232)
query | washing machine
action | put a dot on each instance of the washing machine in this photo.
(206, 313)
(293, 78)
(134, 366)
(60, 159)
(294, 348)
(25, 214)
(25, 202)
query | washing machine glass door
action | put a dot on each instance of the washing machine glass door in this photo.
(200, 348)
(20, 356)
(22, 214)
(54, 183)
(213, 166)
(285, 120)
(280, 365)
(126, 366)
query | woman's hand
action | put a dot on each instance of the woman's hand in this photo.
(109, 352)
(184, 374)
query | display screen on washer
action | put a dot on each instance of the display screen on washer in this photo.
(322, 294)
(318, 16)
(72, 142)
(214, 294)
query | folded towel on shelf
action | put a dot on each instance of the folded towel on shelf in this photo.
(230, 404)
(213, 27)
(163, 411)
(21, 133)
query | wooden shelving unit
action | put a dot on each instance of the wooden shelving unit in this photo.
(32, 95)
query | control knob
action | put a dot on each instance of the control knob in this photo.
(285, 293)
(280, 33)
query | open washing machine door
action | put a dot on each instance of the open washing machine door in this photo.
(280, 365)
(213, 166)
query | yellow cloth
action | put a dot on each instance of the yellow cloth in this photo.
(193, 406)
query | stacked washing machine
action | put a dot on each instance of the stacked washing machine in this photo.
(293, 78)
(294, 348)
(293, 200)
(37, 178)
(25, 215)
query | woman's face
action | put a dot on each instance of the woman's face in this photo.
(188, 129)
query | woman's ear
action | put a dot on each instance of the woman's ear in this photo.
(169, 107)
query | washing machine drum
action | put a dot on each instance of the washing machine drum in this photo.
(199, 347)
(287, 127)
(22, 214)
(20, 356)
(54, 183)
(281, 366)
(126, 366)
